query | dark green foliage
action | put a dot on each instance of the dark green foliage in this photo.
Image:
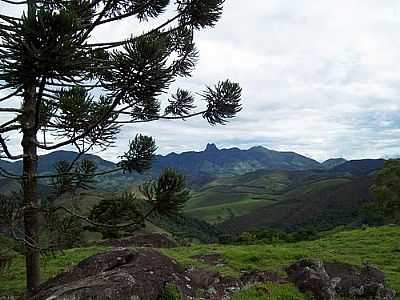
(168, 194)
(387, 192)
(140, 154)
(64, 231)
(10, 206)
(180, 104)
(127, 212)
(223, 102)
(117, 210)
(35, 48)
(142, 9)
(141, 72)
(203, 13)
(185, 228)
(77, 110)
(73, 176)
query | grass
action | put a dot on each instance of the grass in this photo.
(270, 291)
(218, 213)
(12, 280)
(377, 246)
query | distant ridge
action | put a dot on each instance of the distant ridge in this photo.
(233, 161)
(46, 162)
(361, 167)
(214, 162)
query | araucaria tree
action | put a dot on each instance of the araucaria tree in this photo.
(65, 88)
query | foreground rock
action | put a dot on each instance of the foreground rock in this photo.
(311, 276)
(142, 274)
(330, 280)
(120, 274)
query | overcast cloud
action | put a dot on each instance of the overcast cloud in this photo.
(320, 78)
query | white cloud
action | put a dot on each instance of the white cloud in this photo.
(319, 77)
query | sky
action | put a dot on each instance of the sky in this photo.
(320, 78)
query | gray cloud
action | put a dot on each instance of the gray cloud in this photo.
(319, 77)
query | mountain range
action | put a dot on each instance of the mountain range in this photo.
(243, 189)
(212, 163)
(218, 162)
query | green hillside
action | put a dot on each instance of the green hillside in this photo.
(377, 246)
(274, 195)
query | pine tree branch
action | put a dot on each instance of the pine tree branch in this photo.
(14, 2)
(7, 152)
(13, 110)
(98, 20)
(80, 174)
(15, 93)
(109, 45)
(157, 117)
(9, 122)
(116, 226)
(10, 128)
(110, 111)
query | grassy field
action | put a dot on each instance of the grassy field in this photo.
(377, 246)
(217, 213)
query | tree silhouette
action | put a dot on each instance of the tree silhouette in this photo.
(65, 88)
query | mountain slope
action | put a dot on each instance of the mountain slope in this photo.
(319, 208)
(288, 200)
(227, 198)
(333, 162)
(361, 167)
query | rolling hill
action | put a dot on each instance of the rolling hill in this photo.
(240, 189)
(286, 200)
(333, 162)
(362, 167)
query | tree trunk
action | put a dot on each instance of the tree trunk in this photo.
(31, 199)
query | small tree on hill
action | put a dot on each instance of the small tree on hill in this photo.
(64, 89)
(386, 190)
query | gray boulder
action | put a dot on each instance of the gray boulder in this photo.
(120, 274)
(310, 276)
(329, 280)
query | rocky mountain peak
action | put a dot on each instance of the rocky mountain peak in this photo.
(211, 147)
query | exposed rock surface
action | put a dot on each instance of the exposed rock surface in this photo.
(120, 274)
(144, 274)
(330, 280)
(310, 275)
(254, 277)
(141, 274)
(142, 239)
(365, 282)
